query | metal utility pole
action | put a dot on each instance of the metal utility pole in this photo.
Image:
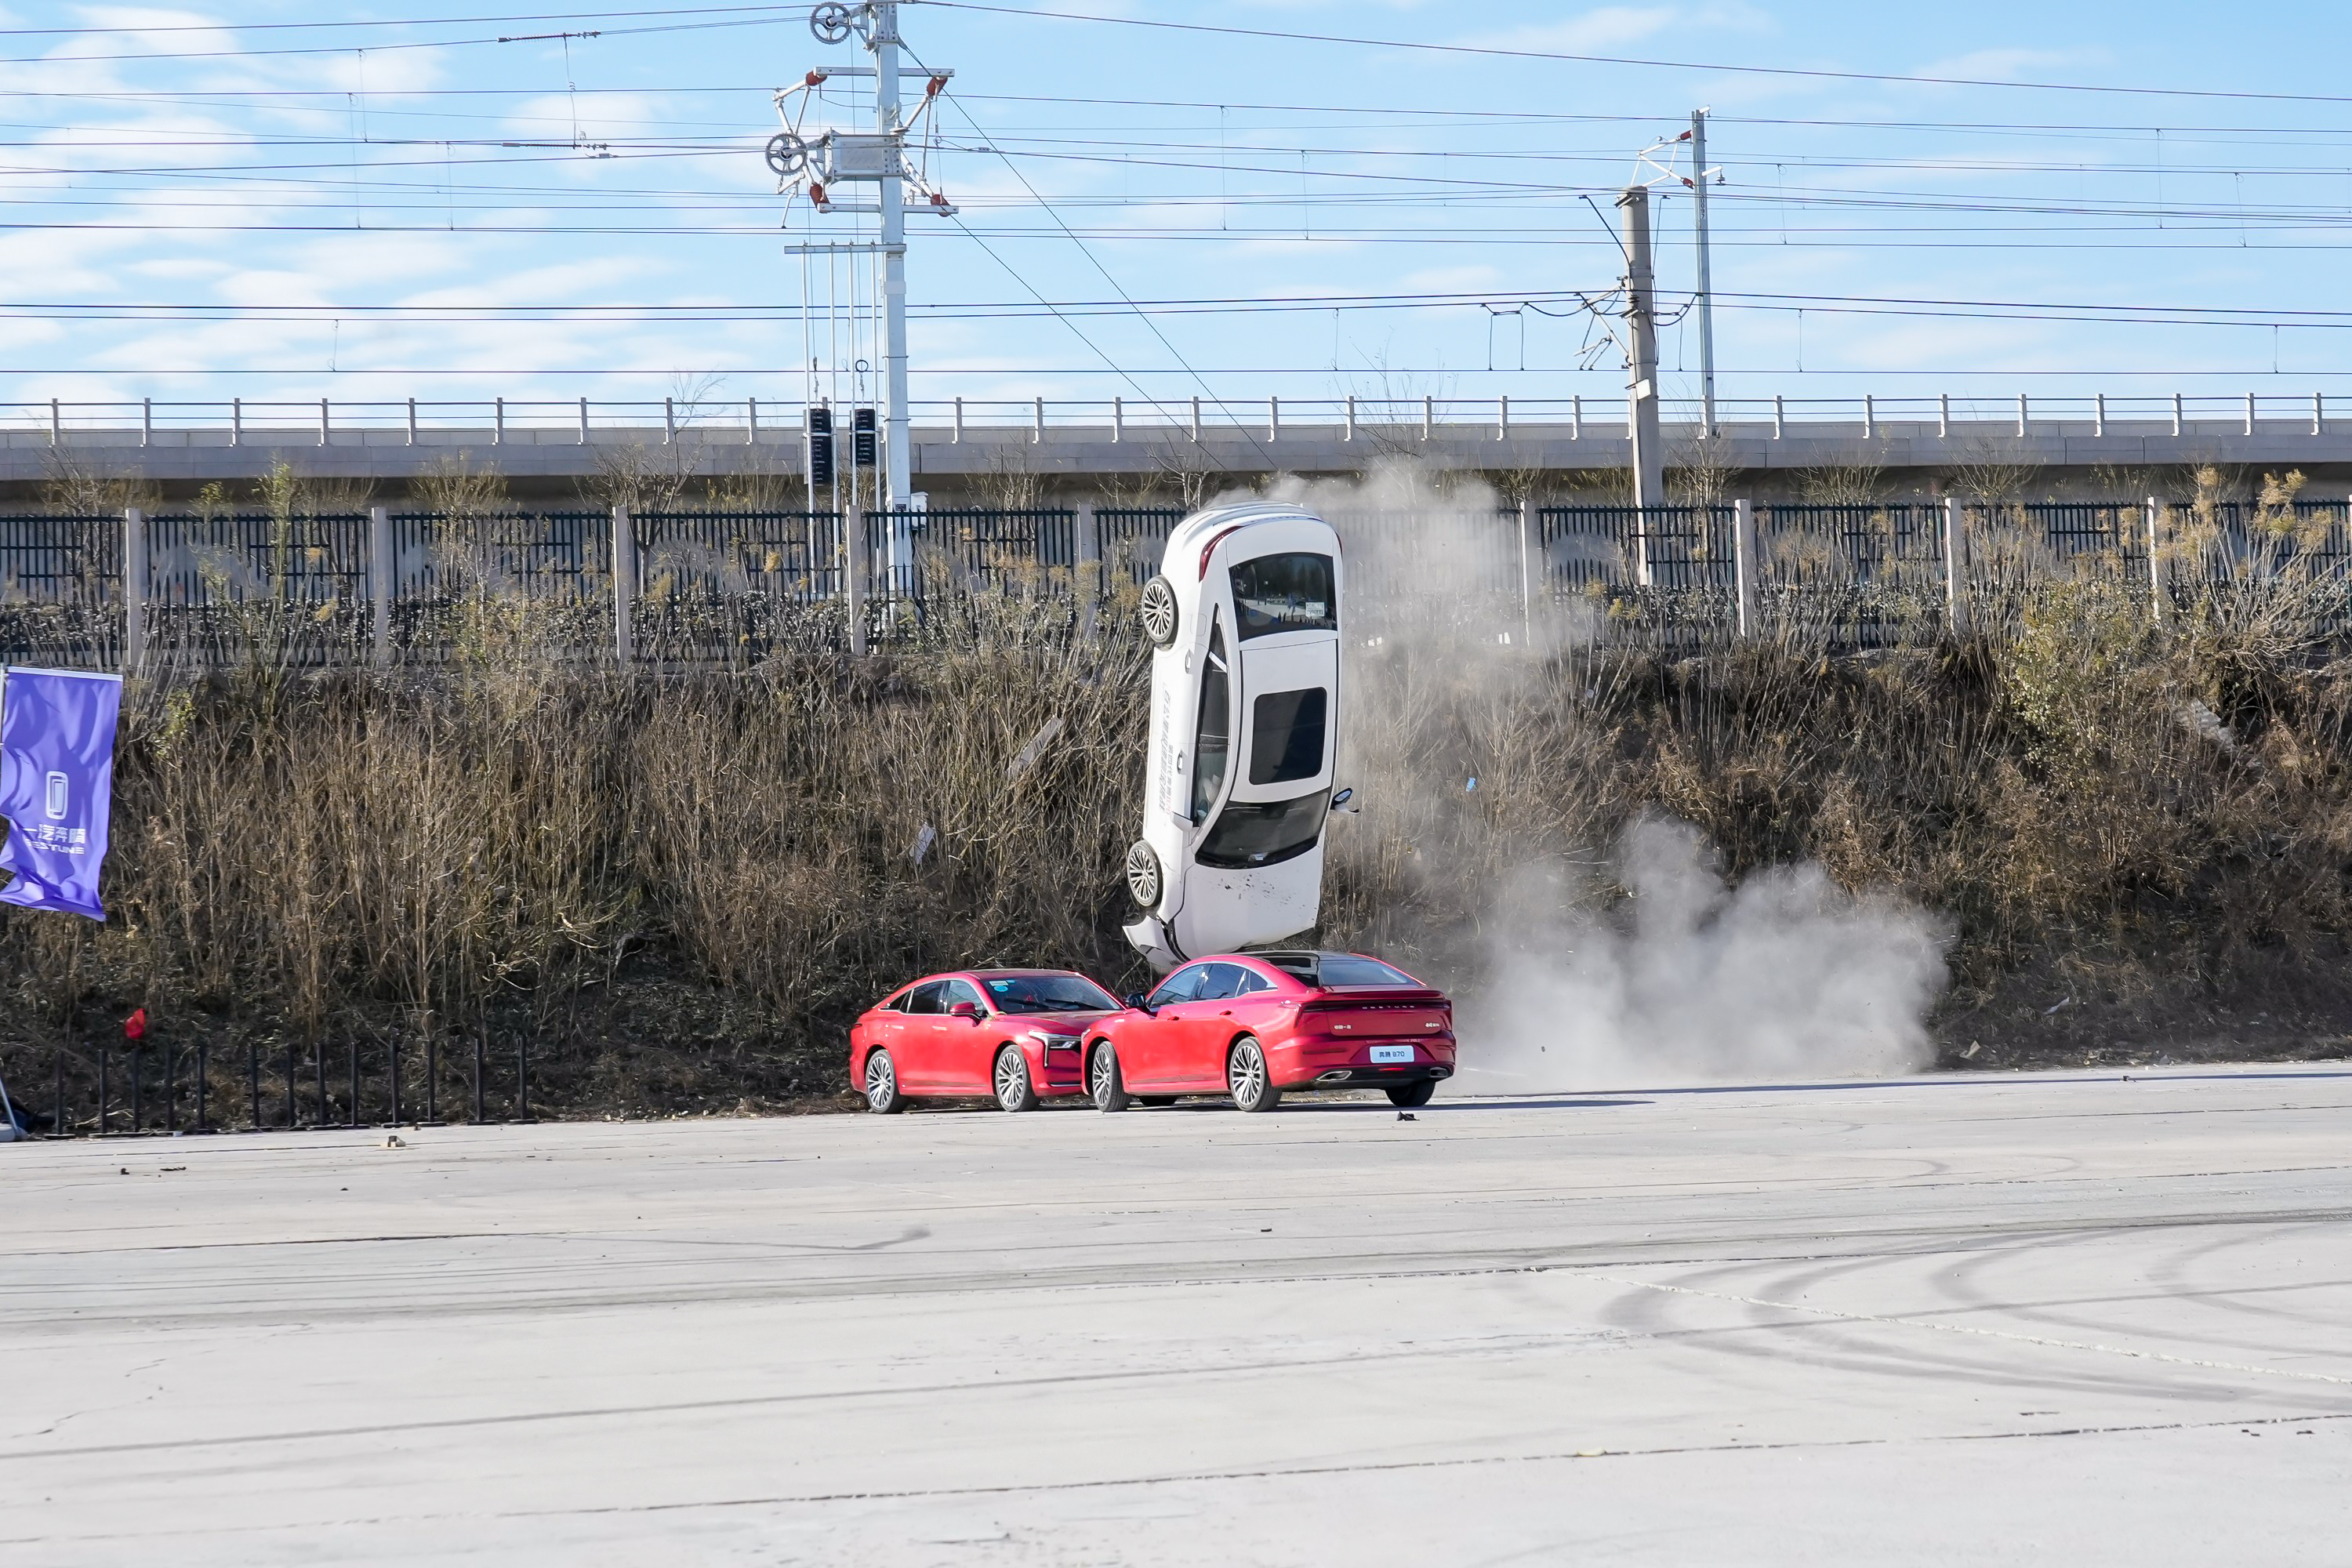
(1642, 369)
(822, 163)
(1698, 175)
(883, 40)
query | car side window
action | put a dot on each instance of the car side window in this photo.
(1225, 981)
(924, 998)
(1184, 985)
(1252, 983)
(958, 991)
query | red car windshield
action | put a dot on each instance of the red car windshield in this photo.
(1048, 993)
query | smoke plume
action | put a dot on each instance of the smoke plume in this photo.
(1589, 941)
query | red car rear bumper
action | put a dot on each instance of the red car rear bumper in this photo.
(1306, 1061)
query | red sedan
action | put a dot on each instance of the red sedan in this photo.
(1252, 1024)
(1012, 1032)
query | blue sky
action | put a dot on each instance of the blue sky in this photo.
(284, 177)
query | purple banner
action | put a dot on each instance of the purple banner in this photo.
(57, 785)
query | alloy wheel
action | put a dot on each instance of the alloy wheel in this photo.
(1158, 612)
(1104, 1084)
(1245, 1076)
(882, 1094)
(1143, 875)
(1012, 1090)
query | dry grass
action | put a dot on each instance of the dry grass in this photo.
(681, 887)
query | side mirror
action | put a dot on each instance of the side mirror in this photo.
(1135, 1000)
(969, 1011)
(1342, 798)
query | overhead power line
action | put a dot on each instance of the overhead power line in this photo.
(1498, 51)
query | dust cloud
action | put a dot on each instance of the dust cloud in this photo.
(1611, 963)
(1787, 975)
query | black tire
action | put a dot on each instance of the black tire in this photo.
(1104, 1084)
(1143, 880)
(883, 1095)
(1248, 1079)
(1155, 1100)
(1407, 1095)
(1158, 612)
(1011, 1076)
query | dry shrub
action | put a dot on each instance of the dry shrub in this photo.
(681, 887)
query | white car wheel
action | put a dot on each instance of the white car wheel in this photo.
(1160, 612)
(1143, 882)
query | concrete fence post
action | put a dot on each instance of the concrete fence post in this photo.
(2176, 413)
(146, 421)
(2249, 414)
(384, 581)
(1118, 420)
(497, 421)
(1943, 416)
(323, 425)
(1745, 563)
(2099, 415)
(1274, 419)
(1503, 417)
(750, 422)
(1351, 418)
(1428, 417)
(669, 421)
(853, 572)
(1038, 430)
(1869, 417)
(955, 437)
(237, 421)
(1575, 417)
(625, 585)
(583, 422)
(2021, 416)
(1086, 556)
(1527, 581)
(1956, 567)
(1779, 417)
(411, 422)
(2159, 573)
(134, 590)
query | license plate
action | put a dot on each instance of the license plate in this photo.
(1392, 1053)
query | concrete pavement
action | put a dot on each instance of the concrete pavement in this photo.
(2065, 1317)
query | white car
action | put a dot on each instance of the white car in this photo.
(1244, 623)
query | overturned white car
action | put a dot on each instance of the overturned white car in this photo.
(1244, 622)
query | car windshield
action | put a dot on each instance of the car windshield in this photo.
(1048, 993)
(1283, 594)
(1337, 969)
(1348, 969)
(1249, 834)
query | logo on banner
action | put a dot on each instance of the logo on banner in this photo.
(57, 786)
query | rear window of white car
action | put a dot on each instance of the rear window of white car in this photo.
(1287, 735)
(1284, 594)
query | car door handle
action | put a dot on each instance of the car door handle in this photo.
(1226, 1013)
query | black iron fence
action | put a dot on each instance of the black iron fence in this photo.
(718, 584)
(152, 1088)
